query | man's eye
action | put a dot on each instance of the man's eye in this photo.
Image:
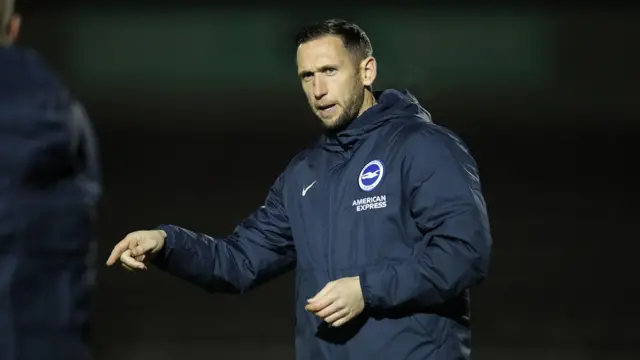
(330, 71)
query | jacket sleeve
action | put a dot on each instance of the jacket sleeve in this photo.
(259, 249)
(447, 205)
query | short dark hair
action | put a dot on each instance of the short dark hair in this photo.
(353, 37)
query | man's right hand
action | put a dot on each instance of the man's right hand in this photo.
(135, 247)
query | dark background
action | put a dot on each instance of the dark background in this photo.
(198, 109)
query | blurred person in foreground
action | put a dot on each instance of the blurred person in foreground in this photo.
(383, 219)
(49, 187)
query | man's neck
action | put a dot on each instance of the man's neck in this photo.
(369, 101)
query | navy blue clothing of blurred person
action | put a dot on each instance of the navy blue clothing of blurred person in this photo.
(382, 218)
(49, 186)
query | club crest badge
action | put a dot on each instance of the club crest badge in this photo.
(371, 175)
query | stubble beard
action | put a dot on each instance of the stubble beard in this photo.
(350, 111)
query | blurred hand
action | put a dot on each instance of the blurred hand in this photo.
(135, 247)
(338, 302)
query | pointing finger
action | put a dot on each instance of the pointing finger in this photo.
(117, 251)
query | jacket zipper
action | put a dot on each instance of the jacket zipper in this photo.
(330, 239)
(334, 182)
(329, 255)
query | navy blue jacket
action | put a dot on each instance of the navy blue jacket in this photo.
(394, 199)
(49, 185)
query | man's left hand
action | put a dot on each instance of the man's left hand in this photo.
(338, 302)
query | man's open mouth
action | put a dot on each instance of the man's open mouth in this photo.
(326, 110)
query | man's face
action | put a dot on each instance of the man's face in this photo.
(330, 80)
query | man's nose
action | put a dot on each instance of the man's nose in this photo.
(319, 88)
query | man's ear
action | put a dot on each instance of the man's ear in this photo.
(13, 31)
(368, 71)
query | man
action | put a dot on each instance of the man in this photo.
(49, 186)
(383, 219)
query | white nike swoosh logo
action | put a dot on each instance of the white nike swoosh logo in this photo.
(304, 191)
